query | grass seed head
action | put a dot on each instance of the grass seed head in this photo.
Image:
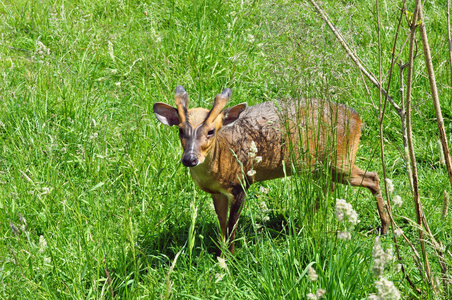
(345, 213)
(389, 185)
(312, 274)
(320, 293)
(222, 263)
(386, 290)
(397, 201)
(344, 235)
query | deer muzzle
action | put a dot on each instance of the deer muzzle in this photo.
(190, 160)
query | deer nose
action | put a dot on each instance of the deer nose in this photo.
(190, 160)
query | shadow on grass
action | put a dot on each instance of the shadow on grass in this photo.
(174, 237)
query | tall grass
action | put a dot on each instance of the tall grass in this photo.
(93, 200)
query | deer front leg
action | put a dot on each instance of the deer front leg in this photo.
(236, 208)
(221, 204)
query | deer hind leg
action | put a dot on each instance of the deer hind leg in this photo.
(358, 177)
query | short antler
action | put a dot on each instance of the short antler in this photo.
(181, 98)
(220, 102)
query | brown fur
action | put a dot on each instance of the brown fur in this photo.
(306, 132)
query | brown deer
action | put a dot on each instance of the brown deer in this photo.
(217, 145)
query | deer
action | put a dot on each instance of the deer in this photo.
(216, 148)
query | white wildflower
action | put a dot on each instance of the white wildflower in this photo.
(311, 296)
(352, 217)
(41, 49)
(42, 243)
(263, 206)
(398, 232)
(387, 290)
(253, 150)
(343, 210)
(258, 159)
(264, 212)
(389, 185)
(263, 190)
(110, 51)
(251, 173)
(250, 38)
(222, 263)
(118, 84)
(312, 274)
(341, 206)
(320, 293)
(397, 201)
(219, 277)
(46, 190)
(47, 260)
(381, 258)
(211, 206)
(344, 235)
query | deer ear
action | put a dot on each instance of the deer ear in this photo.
(231, 114)
(166, 114)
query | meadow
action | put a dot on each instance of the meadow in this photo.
(95, 204)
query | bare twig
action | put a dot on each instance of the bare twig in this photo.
(435, 98)
(393, 62)
(372, 78)
(448, 39)
(417, 200)
(440, 122)
(402, 114)
(350, 53)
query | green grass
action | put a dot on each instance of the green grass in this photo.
(86, 164)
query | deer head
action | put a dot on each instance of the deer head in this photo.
(198, 127)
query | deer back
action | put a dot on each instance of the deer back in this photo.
(299, 133)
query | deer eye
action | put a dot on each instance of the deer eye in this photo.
(210, 133)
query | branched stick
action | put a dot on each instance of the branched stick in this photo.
(393, 62)
(440, 121)
(417, 200)
(382, 109)
(372, 78)
(435, 98)
(350, 53)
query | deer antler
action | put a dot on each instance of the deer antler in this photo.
(220, 102)
(181, 98)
